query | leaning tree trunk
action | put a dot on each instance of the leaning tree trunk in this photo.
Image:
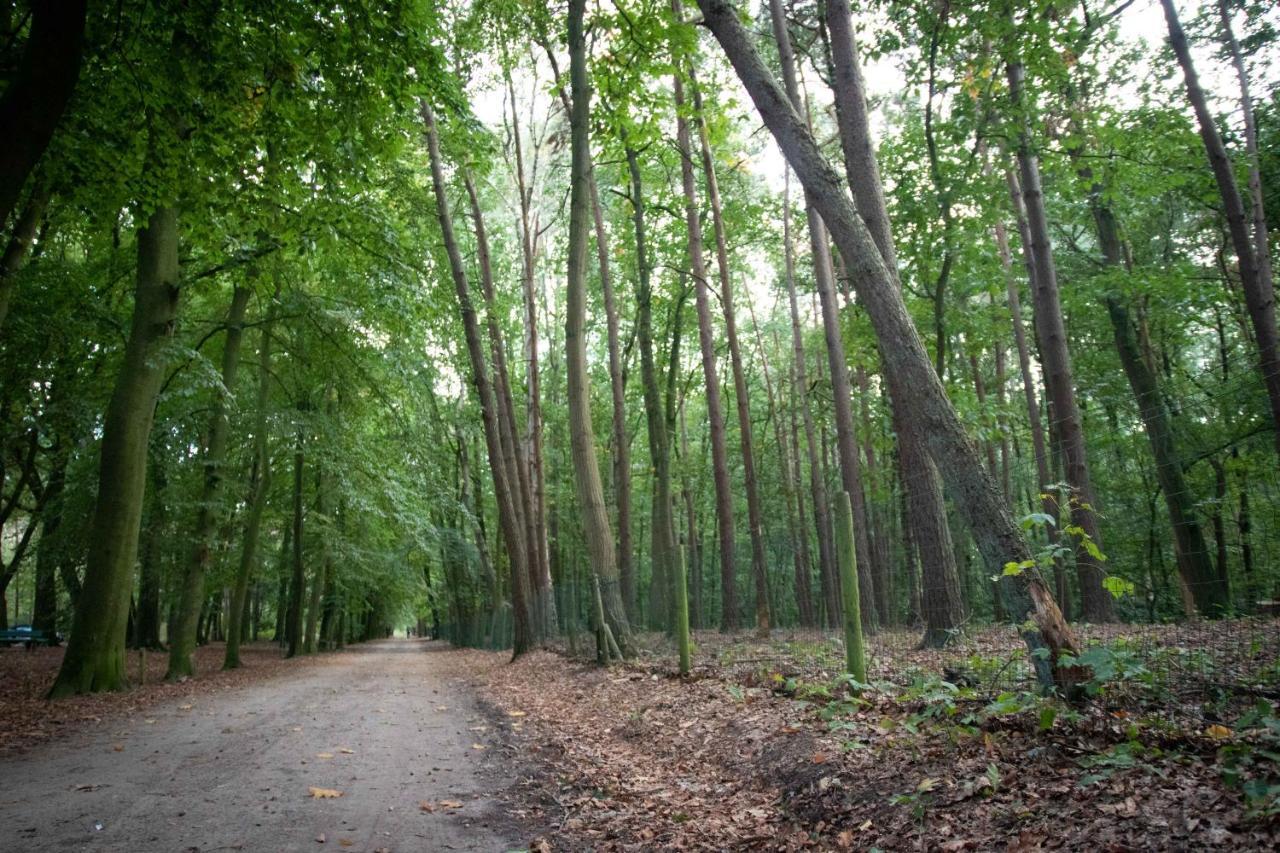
(182, 640)
(1096, 603)
(590, 492)
(926, 510)
(94, 660)
(1255, 278)
(994, 529)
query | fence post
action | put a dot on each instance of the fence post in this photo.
(855, 659)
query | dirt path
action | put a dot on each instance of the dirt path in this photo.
(233, 771)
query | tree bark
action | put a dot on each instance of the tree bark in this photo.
(298, 578)
(94, 659)
(590, 492)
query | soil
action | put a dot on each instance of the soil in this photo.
(390, 726)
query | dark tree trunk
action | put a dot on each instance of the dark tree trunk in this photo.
(38, 92)
(94, 660)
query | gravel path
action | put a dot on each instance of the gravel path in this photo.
(391, 725)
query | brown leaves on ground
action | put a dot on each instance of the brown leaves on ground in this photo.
(324, 793)
(26, 676)
(646, 761)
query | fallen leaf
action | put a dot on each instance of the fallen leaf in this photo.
(820, 758)
(118, 747)
(478, 746)
(324, 793)
(324, 755)
(427, 806)
(320, 838)
(1218, 732)
(515, 713)
(450, 804)
(185, 707)
(346, 842)
(926, 785)
(346, 751)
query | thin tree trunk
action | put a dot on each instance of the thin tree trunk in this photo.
(20, 241)
(1096, 602)
(661, 526)
(590, 492)
(182, 639)
(755, 515)
(710, 372)
(94, 660)
(297, 582)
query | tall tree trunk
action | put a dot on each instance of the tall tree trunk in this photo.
(507, 519)
(662, 531)
(590, 492)
(49, 550)
(827, 570)
(182, 639)
(543, 604)
(755, 515)
(514, 458)
(926, 510)
(997, 535)
(1253, 259)
(1096, 602)
(710, 373)
(842, 401)
(94, 660)
(38, 92)
(1044, 477)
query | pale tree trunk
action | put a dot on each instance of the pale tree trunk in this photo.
(662, 532)
(617, 382)
(182, 639)
(590, 492)
(994, 530)
(926, 509)
(297, 573)
(543, 605)
(1253, 259)
(850, 470)
(511, 528)
(1096, 602)
(94, 660)
(755, 517)
(710, 372)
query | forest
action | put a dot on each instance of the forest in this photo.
(903, 369)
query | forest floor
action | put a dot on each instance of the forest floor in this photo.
(762, 750)
(377, 748)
